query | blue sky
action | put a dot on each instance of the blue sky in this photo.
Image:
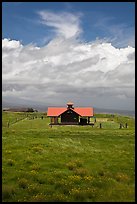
(111, 20)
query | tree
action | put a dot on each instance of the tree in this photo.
(30, 110)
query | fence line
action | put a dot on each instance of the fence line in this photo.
(30, 117)
(9, 123)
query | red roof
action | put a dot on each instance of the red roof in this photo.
(84, 111)
(55, 111)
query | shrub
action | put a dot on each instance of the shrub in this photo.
(78, 162)
(81, 171)
(88, 178)
(74, 178)
(33, 172)
(33, 189)
(30, 110)
(121, 177)
(35, 167)
(73, 164)
(23, 183)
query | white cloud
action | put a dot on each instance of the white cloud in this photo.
(10, 44)
(120, 34)
(65, 69)
(64, 24)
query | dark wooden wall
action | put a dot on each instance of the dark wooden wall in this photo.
(69, 116)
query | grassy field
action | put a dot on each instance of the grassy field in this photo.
(67, 163)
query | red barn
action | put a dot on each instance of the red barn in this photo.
(70, 115)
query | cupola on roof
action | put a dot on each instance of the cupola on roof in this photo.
(70, 103)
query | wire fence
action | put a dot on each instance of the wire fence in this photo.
(11, 120)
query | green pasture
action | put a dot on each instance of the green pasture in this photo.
(41, 163)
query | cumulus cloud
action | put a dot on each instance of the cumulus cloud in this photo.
(95, 73)
(64, 69)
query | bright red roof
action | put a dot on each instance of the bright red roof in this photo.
(84, 111)
(55, 111)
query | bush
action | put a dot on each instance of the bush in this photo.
(71, 165)
(81, 171)
(23, 183)
(30, 110)
(121, 177)
(74, 164)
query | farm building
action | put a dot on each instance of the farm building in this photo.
(70, 115)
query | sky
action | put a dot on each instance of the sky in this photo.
(55, 52)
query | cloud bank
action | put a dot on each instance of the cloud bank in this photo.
(94, 73)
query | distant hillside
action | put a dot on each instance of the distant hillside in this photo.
(43, 107)
(115, 111)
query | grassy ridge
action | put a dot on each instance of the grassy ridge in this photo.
(13, 117)
(68, 163)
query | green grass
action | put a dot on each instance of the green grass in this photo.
(13, 117)
(68, 163)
